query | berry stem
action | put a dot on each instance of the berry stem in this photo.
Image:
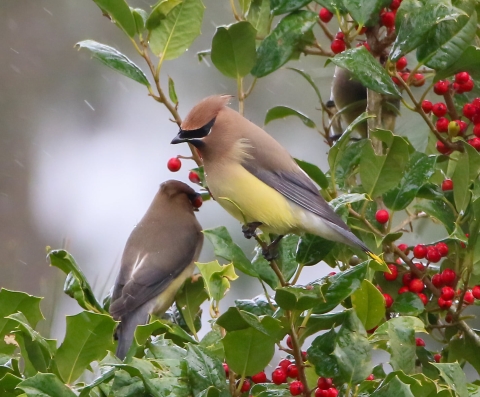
(273, 263)
(297, 354)
(452, 110)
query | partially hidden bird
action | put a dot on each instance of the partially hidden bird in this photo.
(159, 256)
(255, 179)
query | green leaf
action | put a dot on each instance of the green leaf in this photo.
(178, 30)
(320, 322)
(454, 376)
(262, 267)
(342, 201)
(298, 298)
(320, 355)
(380, 173)
(414, 21)
(466, 171)
(366, 69)
(365, 12)
(347, 166)
(140, 17)
(283, 42)
(269, 390)
(408, 304)
(45, 385)
(313, 172)
(189, 298)
(225, 248)
(233, 49)
(212, 342)
(12, 302)
(286, 259)
(217, 278)
(159, 12)
(259, 305)
(204, 371)
(126, 385)
(369, 304)
(445, 44)
(352, 350)
(248, 351)
(342, 286)
(467, 62)
(259, 16)
(312, 249)
(171, 91)
(461, 349)
(439, 210)
(283, 6)
(120, 12)
(419, 170)
(115, 60)
(393, 388)
(280, 112)
(88, 337)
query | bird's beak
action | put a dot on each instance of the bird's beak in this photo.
(179, 138)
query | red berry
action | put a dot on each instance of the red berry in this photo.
(403, 289)
(332, 392)
(475, 142)
(396, 80)
(420, 266)
(448, 318)
(395, 4)
(468, 298)
(419, 251)
(476, 292)
(442, 248)
(371, 331)
(292, 371)
(225, 367)
(444, 304)
(476, 117)
(442, 148)
(284, 364)
(404, 248)
(289, 342)
(261, 377)
(364, 44)
(174, 164)
(325, 15)
(245, 386)
(405, 76)
(418, 80)
(437, 280)
(304, 356)
(469, 110)
(463, 126)
(338, 46)
(439, 109)
(402, 63)
(393, 275)
(387, 19)
(416, 285)
(462, 77)
(340, 36)
(442, 124)
(419, 342)
(441, 87)
(427, 106)
(370, 377)
(437, 357)
(193, 176)
(447, 185)
(296, 388)
(388, 300)
(324, 383)
(433, 255)
(467, 87)
(448, 277)
(476, 130)
(423, 298)
(407, 278)
(382, 216)
(320, 393)
(447, 293)
(279, 376)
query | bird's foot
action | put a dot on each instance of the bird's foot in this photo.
(249, 230)
(270, 252)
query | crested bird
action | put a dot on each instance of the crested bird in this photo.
(159, 256)
(255, 179)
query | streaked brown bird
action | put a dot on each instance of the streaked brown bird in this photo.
(159, 256)
(255, 179)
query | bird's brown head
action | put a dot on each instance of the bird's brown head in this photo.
(199, 122)
(176, 190)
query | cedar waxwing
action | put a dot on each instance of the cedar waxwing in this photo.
(159, 256)
(255, 179)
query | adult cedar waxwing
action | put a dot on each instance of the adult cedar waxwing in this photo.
(255, 179)
(159, 256)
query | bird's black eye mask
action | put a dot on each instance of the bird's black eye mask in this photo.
(188, 135)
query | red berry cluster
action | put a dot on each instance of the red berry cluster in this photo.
(387, 16)
(415, 79)
(326, 388)
(338, 44)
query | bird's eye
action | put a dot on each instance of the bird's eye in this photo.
(201, 132)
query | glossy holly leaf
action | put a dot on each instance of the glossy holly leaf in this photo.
(248, 351)
(115, 60)
(366, 69)
(313, 172)
(105, 377)
(88, 337)
(468, 61)
(188, 299)
(414, 21)
(120, 13)
(225, 248)
(298, 298)
(45, 385)
(159, 12)
(259, 305)
(380, 173)
(283, 42)
(466, 171)
(233, 49)
(140, 16)
(395, 387)
(320, 322)
(341, 286)
(419, 170)
(347, 166)
(445, 44)
(320, 355)
(286, 259)
(280, 112)
(439, 210)
(312, 249)
(408, 304)
(269, 390)
(365, 12)
(338, 203)
(258, 15)
(460, 348)
(178, 30)
(283, 6)
(262, 267)
(369, 304)
(171, 91)
(454, 376)
(8, 383)
(217, 278)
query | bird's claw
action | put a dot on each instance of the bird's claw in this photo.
(270, 253)
(249, 230)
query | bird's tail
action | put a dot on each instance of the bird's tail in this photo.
(126, 329)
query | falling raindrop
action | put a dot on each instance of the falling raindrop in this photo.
(88, 104)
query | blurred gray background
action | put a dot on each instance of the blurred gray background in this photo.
(83, 149)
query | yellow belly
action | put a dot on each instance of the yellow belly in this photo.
(248, 199)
